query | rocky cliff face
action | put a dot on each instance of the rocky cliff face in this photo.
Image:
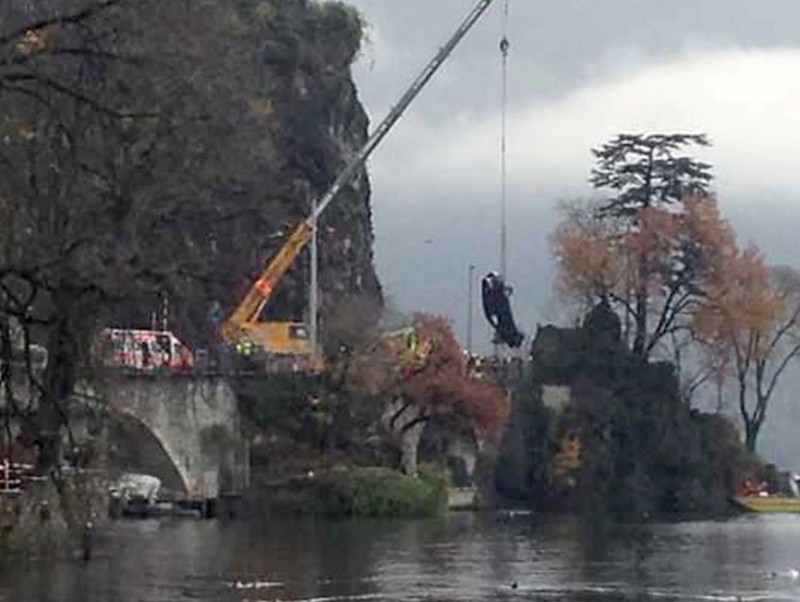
(296, 119)
(304, 60)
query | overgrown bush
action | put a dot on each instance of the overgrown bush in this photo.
(625, 446)
(279, 400)
(341, 18)
(371, 492)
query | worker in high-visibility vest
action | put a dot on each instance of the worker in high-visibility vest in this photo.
(244, 348)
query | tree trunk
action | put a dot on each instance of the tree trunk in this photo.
(751, 436)
(59, 381)
(410, 446)
(640, 336)
(406, 422)
(49, 438)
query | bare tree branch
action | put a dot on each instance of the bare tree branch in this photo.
(77, 17)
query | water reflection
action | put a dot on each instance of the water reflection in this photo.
(464, 557)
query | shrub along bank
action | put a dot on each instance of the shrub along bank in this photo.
(373, 492)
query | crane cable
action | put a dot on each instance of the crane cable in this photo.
(504, 47)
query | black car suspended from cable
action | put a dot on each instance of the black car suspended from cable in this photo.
(496, 306)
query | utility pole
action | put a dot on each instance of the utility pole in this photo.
(471, 278)
(313, 285)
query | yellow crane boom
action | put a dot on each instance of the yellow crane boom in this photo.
(247, 313)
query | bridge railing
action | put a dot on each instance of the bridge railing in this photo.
(221, 362)
(14, 476)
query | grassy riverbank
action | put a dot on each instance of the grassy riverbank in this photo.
(374, 492)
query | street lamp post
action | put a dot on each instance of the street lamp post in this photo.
(471, 278)
(314, 286)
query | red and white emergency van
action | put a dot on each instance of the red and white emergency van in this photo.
(144, 349)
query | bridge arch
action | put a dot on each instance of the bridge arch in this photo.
(134, 447)
(196, 423)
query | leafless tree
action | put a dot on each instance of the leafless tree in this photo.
(111, 118)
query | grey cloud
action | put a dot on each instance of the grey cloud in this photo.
(556, 46)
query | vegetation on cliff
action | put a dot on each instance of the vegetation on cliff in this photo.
(338, 443)
(624, 445)
(373, 406)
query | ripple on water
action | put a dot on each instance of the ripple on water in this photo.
(464, 558)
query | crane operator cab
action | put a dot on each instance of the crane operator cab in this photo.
(497, 308)
(281, 338)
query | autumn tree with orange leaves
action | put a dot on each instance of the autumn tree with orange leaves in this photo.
(422, 372)
(444, 387)
(653, 271)
(670, 265)
(649, 245)
(750, 324)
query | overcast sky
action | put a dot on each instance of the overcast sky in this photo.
(580, 72)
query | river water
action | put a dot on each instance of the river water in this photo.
(508, 557)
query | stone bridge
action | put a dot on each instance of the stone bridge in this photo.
(193, 419)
